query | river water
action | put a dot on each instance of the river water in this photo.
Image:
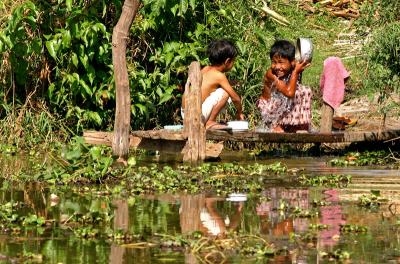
(263, 215)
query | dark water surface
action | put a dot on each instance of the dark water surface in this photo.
(60, 242)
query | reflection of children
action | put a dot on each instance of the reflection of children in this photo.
(285, 104)
(215, 88)
(213, 221)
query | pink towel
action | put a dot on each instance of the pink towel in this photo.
(332, 81)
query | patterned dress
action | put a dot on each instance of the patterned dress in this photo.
(286, 111)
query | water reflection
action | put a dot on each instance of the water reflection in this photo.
(213, 215)
(200, 213)
(121, 222)
(279, 222)
(332, 216)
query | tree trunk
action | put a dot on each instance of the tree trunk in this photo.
(120, 145)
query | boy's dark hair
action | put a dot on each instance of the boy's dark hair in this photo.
(284, 49)
(220, 50)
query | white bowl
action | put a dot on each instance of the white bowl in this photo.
(238, 125)
(173, 127)
(237, 197)
(304, 49)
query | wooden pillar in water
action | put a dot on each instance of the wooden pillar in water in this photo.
(120, 143)
(193, 126)
(326, 118)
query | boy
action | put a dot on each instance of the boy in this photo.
(215, 88)
(285, 104)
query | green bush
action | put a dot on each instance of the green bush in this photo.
(61, 52)
(380, 22)
(383, 53)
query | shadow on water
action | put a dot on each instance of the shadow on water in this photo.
(305, 223)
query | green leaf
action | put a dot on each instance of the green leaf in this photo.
(50, 91)
(6, 40)
(52, 47)
(95, 152)
(132, 161)
(174, 9)
(165, 98)
(94, 117)
(73, 154)
(168, 58)
(85, 87)
(91, 74)
(141, 107)
(68, 3)
(107, 163)
(75, 60)
(85, 61)
(192, 4)
(66, 39)
(100, 27)
(183, 7)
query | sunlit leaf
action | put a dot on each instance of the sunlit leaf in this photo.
(52, 48)
(74, 59)
(95, 152)
(94, 117)
(183, 7)
(86, 87)
(68, 3)
(192, 4)
(165, 98)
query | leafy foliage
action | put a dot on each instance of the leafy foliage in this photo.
(61, 52)
(381, 20)
(63, 49)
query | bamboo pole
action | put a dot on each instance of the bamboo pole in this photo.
(120, 144)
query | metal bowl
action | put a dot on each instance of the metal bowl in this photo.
(304, 49)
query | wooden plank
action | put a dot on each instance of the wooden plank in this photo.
(334, 137)
(251, 136)
(174, 146)
(161, 134)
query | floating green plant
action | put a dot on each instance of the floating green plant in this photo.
(333, 180)
(318, 226)
(350, 228)
(363, 158)
(338, 254)
(372, 200)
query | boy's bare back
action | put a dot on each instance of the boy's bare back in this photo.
(212, 80)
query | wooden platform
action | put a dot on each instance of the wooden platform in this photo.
(333, 137)
(175, 141)
(252, 136)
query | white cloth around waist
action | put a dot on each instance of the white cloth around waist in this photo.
(211, 101)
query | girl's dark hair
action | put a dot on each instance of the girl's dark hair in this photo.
(220, 50)
(284, 49)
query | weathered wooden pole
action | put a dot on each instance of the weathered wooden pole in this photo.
(120, 143)
(195, 149)
(326, 118)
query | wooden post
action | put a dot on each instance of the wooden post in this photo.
(195, 149)
(326, 118)
(120, 143)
